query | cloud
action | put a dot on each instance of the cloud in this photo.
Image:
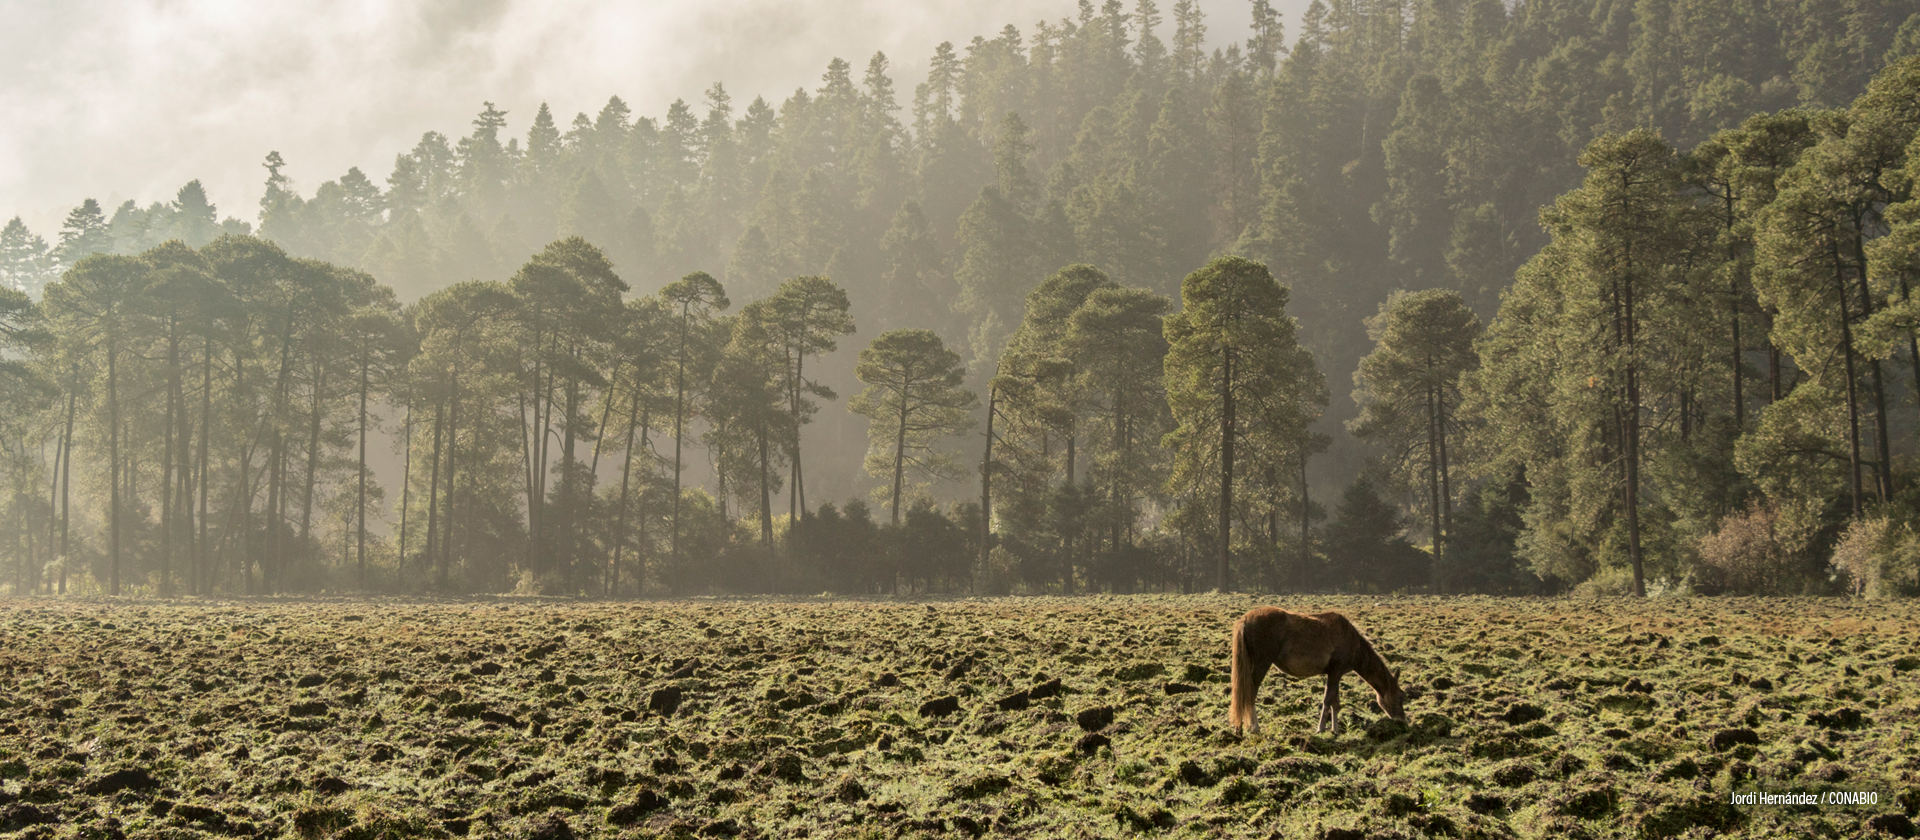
(130, 100)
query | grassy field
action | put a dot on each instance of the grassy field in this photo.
(1035, 717)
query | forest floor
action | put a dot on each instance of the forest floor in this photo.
(1095, 716)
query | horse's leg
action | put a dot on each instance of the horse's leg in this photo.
(1330, 703)
(1260, 667)
(1320, 725)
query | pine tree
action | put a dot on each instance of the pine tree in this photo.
(84, 233)
(914, 399)
(1409, 395)
(1234, 373)
(25, 263)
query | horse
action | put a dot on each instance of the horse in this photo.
(1304, 646)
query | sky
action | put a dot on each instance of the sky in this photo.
(132, 99)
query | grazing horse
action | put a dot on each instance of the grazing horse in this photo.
(1305, 646)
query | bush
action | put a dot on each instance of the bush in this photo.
(1608, 582)
(1002, 567)
(1879, 558)
(1756, 552)
(1618, 581)
(1366, 547)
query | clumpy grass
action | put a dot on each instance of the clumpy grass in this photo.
(1089, 717)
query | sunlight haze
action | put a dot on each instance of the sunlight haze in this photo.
(132, 100)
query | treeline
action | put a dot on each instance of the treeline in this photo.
(1699, 375)
(221, 400)
(1390, 146)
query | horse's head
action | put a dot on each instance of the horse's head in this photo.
(1393, 701)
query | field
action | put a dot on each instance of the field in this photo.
(1032, 717)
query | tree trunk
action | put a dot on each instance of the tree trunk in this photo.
(799, 473)
(1226, 469)
(1433, 477)
(183, 459)
(167, 519)
(66, 489)
(642, 548)
(1072, 472)
(113, 460)
(243, 484)
(1123, 496)
(986, 488)
(313, 459)
(529, 457)
(766, 492)
(271, 570)
(1739, 395)
(453, 448)
(600, 432)
(569, 489)
(205, 560)
(620, 519)
(1066, 573)
(679, 431)
(1773, 365)
(360, 503)
(1884, 466)
(1446, 482)
(432, 556)
(53, 508)
(406, 489)
(794, 510)
(900, 446)
(275, 480)
(1306, 523)
(1913, 344)
(1631, 417)
(1853, 404)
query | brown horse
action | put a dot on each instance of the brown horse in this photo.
(1305, 646)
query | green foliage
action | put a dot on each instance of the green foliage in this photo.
(25, 264)
(1235, 376)
(1880, 557)
(1409, 392)
(1481, 548)
(1758, 551)
(1366, 549)
(1386, 148)
(913, 399)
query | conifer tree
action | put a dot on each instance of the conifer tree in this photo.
(1409, 394)
(914, 399)
(25, 263)
(1234, 374)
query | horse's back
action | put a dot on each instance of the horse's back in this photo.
(1325, 621)
(1335, 621)
(1300, 644)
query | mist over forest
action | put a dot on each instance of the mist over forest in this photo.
(1446, 296)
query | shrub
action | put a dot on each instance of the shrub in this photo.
(1756, 551)
(1879, 558)
(1608, 582)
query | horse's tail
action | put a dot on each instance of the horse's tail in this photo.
(1240, 709)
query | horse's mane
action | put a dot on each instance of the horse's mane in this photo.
(1370, 665)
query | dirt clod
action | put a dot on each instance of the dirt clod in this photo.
(940, 706)
(1094, 719)
(1726, 739)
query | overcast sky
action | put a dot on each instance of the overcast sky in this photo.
(131, 99)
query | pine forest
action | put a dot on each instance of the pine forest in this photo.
(1435, 296)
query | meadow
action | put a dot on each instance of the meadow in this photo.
(1068, 717)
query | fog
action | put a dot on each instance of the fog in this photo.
(130, 100)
